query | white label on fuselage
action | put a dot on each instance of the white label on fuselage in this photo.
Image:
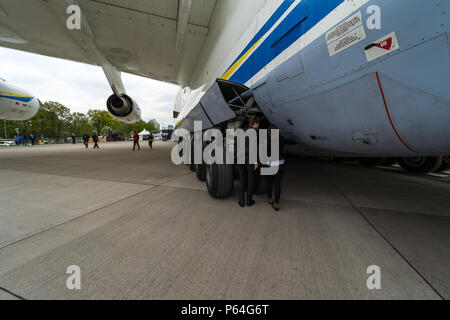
(346, 34)
(382, 47)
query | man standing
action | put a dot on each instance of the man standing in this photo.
(95, 138)
(136, 141)
(247, 171)
(73, 138)
(33, 139)
(86, 140)
(150, 141)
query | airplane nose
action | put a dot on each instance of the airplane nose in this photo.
(35, 105)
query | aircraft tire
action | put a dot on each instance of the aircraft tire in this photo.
(200, 172)
(445, 164)
(371, 162)
(220, 180)
(420, 164)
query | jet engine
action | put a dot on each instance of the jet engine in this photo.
(124, 109)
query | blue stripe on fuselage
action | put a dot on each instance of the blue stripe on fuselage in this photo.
(21, 99)
(267, 26)
(301, 19)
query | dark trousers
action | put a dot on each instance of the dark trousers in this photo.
(275, 180)
(136, 143)
(96, 145)
(246, 182)
(86, 143)
(150, 143)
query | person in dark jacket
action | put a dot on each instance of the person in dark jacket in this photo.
(274, 181)
(74, 138)
(33, 139)
(136, 141)
(95, 138)
(86, 140)
(150, 140)
(247, 171)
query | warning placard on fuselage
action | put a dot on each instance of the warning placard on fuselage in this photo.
(345, 35)
(382, 46)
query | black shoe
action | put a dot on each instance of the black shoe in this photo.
(242, 204)
(251, 203)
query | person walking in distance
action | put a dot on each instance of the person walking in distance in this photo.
(86, 140)
(136, 141)
(95, 138)
(150, 141)
(33, 139)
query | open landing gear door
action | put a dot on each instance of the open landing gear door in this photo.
(214, 108)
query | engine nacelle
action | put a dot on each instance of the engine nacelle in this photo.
(124, 109)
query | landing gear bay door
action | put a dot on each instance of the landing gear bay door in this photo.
(214, 107)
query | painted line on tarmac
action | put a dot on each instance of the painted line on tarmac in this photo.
(12, 293)
(75, 219)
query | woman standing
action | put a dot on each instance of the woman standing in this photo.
(274, 181)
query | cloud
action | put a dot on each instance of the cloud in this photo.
(81, 87)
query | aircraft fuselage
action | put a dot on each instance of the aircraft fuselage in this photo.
(16, 103)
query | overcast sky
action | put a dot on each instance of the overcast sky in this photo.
(81, 87)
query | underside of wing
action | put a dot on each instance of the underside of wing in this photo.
(159, 39)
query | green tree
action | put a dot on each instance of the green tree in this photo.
(79, 124)
(153, 126)
(58, 119)
(100, 120)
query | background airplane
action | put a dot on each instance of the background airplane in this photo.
(16, 103)
(315, 68)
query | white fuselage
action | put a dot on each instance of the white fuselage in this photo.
(238, 29)
(16, 103)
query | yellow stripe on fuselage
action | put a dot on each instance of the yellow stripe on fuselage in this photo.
(15, 94)
(235, 66)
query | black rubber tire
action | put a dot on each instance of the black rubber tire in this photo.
(200, 172)
(220, 180)
(192, 167)
(445, 165)
(389, 162)
(420, 164)
(371, 162)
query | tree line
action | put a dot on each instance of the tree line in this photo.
(56, 121)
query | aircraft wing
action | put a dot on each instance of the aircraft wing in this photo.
(159, 39)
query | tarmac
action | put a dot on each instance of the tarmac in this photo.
(140, 227)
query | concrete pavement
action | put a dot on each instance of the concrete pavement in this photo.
(140, 227)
